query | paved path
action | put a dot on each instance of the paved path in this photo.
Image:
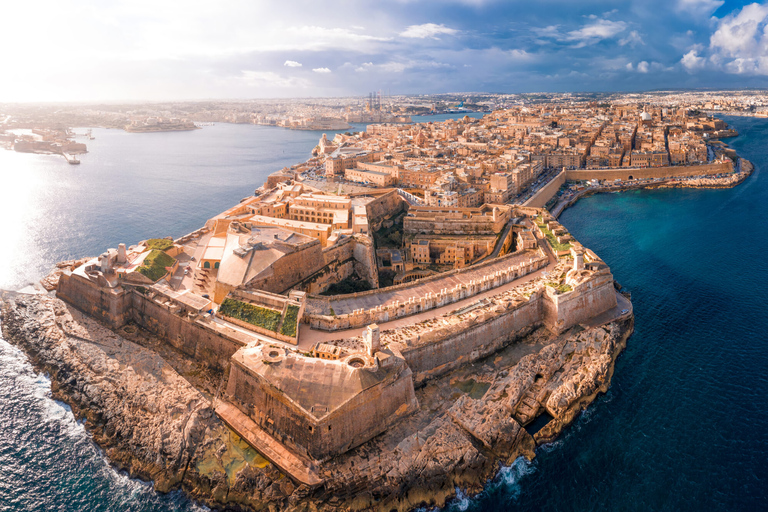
(288, 462)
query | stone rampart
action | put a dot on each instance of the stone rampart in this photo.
(649, 172)
(585, 301)
(359, 419)
(193, 337)
(386, 205)
(351, 255)
(289, 270)
(396, 309)
(109, 305)
(458, 344)
(542, 197)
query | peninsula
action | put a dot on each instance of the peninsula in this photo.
(377, 350)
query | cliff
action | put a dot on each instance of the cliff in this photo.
(142, 409)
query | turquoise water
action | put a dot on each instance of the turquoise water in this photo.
(683, 427)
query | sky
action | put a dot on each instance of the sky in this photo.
(97, 50)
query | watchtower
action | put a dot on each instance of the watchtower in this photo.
(371, 339)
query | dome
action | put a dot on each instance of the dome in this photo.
(645, 116)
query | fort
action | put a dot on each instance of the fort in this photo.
(303, 386)
(468, 311)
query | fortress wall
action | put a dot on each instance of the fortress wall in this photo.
(589, 299)
(389, 311)
(440, 225)
(366, 415)
(649, 172)
(542, 197)
(385, 205)
(191, 337)
(272, 410)
(289, 270)
(361, 418)
(365, 262)
(460, 344)
(107, 305)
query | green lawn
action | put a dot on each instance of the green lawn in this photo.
(161, 244)
(261, 317)
(290, 322)
(154, 265)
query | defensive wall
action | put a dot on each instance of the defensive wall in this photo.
(456, 344)
(351, 255)
(649, 172)
(158, 314)
(319, 317)
(542, 197)
(385, 397)
(109, 305)
(197, 338)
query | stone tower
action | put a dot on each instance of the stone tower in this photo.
(578, 258)
(371, 339)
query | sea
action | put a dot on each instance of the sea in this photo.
(684, 425)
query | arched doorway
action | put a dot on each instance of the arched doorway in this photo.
(207, 264)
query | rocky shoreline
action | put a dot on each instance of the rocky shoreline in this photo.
(144, 411)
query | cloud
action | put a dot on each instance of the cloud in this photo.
(642, 67)
(698, 8)
(691, 61)
(427, 30)
(739, 44)
(596, 32)
(321, 70)
(737, 36)
(292, 64)
(632, 39)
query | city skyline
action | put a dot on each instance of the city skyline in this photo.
(193, 50)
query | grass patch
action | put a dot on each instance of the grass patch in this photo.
(260, 317)
(161, 244)
(290, 321)
(154, 265)
(552, 239)
(560, 287)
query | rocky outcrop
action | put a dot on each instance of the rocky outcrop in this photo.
(154, 424)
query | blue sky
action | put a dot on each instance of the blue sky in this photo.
(193, 49)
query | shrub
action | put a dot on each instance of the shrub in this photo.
(154, 265)
(161, 244)
(290, 321)
(260, 317)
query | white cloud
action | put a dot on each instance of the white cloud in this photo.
(630, 67)
(691, 61)
(593, 33)
(427, 30)
(321, 70)
(698, 8)
(632, 39)
(642, 67)
(739, 44)
(292, 64)
(737, 36)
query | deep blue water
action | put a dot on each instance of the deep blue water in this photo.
(684, 425)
